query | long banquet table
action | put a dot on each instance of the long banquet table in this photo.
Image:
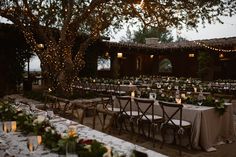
(61, 124)
(208, 127)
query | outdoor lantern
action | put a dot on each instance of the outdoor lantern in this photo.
(119, 55)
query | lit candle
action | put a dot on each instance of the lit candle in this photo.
(13, 126)
(178, 100)
(49, 90)
(39, 139)
(5, 126)
(132, 94)
(31, 148)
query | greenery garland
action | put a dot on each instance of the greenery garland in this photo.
(30, 124)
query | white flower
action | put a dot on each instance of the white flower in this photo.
(64, 135)
(20, 114)
(53, 131)
(88, 147)
(47, 129)
(108, 153)
(39, 119)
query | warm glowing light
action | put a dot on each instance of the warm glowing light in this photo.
(106, 54)
(119, 55)
(191, 55)
(30, 147)
(49, 90)
(13, 126)
(141, 4)
(133, 94)
(39, 139)
(178, 100)
(221, 55)
(151, 56)
(41, 46)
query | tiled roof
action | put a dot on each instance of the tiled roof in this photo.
(217, 42)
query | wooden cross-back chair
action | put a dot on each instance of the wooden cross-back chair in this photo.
(105, 107)
(147, 116)
(126, 112)
(174, 121)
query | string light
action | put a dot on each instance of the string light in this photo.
(141, 4)
(213, 48)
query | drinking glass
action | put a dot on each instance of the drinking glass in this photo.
(32, 143)
(71, 149)
(50, 114)
(200, 98)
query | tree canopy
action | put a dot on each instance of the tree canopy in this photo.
(38, 20)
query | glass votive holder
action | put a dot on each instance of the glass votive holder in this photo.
(33, 142)
(7, 126)
(71, 149)
(1, 127)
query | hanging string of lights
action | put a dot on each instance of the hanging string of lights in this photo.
(213, 48)
(178, 32)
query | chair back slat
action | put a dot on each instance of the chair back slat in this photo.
(168, 117)
(124, 104)
(145, 107)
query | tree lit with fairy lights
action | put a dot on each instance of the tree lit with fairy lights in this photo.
(51, 27)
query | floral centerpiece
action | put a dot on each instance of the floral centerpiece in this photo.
(39, 125)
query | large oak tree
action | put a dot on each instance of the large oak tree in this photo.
(52, 26)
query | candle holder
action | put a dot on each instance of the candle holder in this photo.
(9, 126)
(33, 142)
(133, 94)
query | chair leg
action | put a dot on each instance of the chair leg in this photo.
(104, 121)
(82, 117)
(149, 130)
(180, 144)
(138, 124)
(189, 138)
(153, 134)
(120, 120)
(163, 137)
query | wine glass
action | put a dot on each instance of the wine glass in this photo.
(50, 114)
(177, 97)
(71, 149)
(200, 98)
